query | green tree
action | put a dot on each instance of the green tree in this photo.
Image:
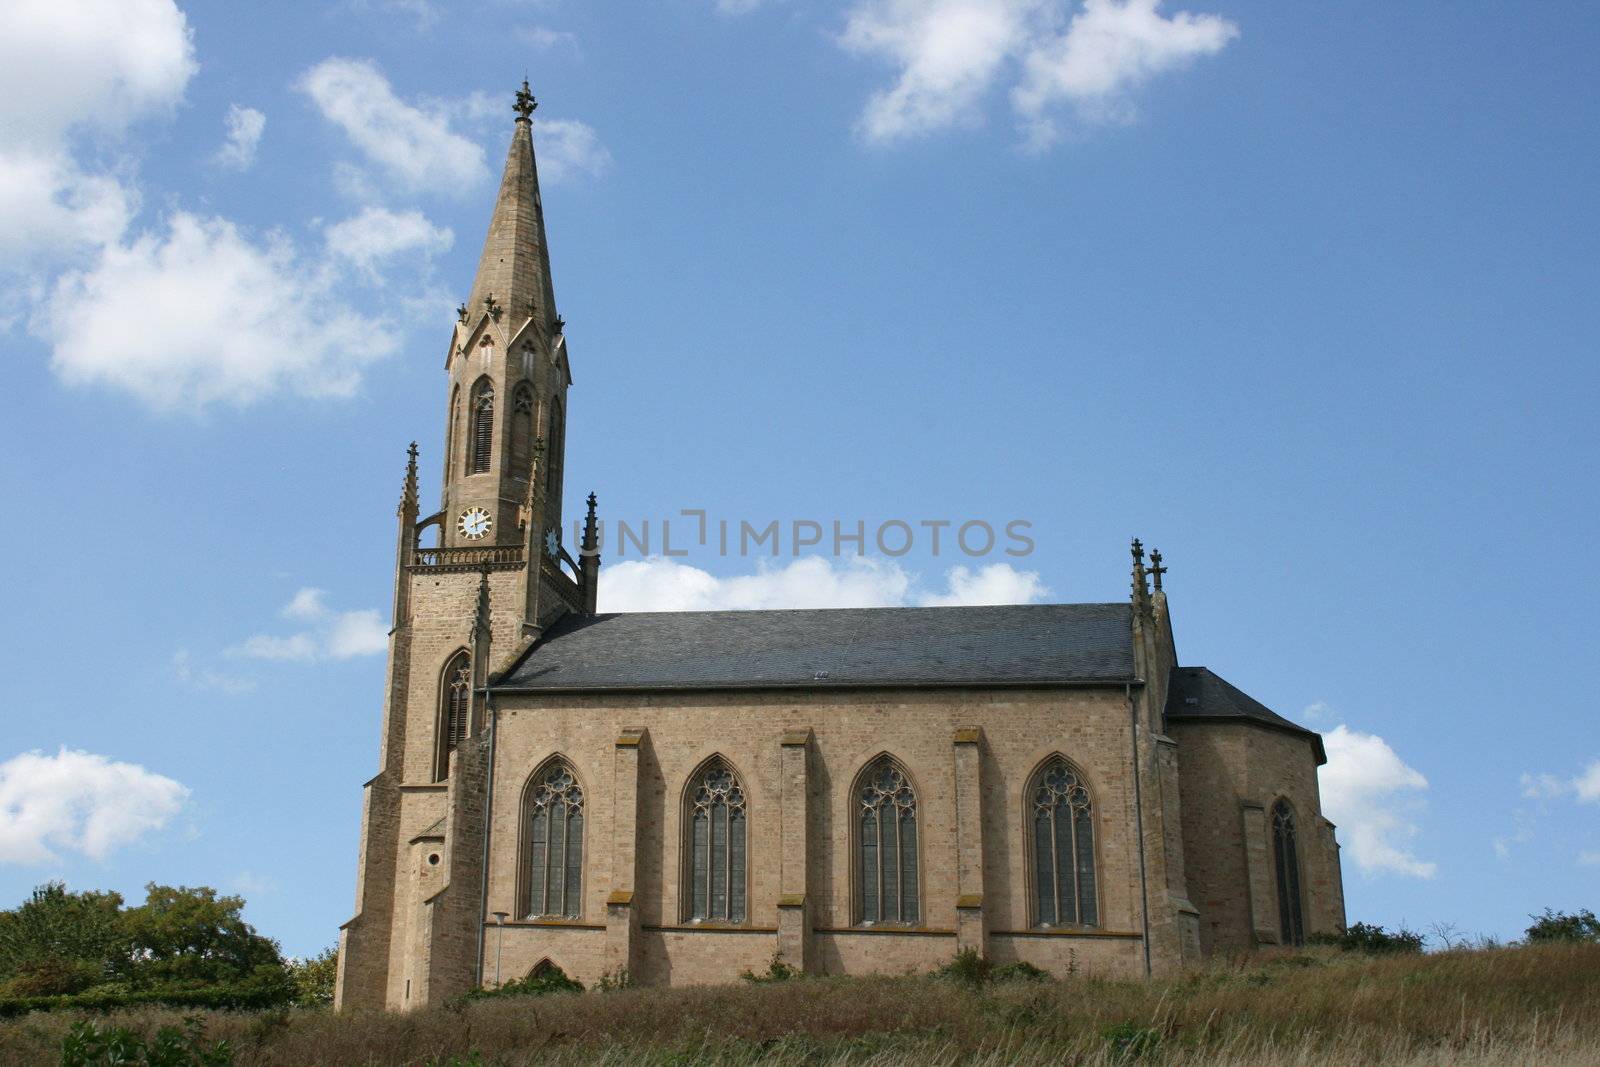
(60, 942)
(1548, 926)
(314, 978)
(191, 937)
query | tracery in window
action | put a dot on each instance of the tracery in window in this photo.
(481, 445)
(1286, 860)
(1063, 847)
(455, 710)
(553, 821)
(886, 814)
(718, 831)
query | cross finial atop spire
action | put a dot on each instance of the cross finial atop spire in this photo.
(1140, 591)
(526, 104)
(1156, 569)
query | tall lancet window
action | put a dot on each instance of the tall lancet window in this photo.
(1286, 858)
(521, 430)
(1063, 847)
(555, 446)
(717, 834)
(886, 845)
(480, 447)
(552, 819)
(455, 710)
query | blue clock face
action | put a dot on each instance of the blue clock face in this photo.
(552, 543)
(474, 523)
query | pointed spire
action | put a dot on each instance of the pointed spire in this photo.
(408, 491)
(591, 531)
(514, 270)
(1141, 591)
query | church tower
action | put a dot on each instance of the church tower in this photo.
(476, 583)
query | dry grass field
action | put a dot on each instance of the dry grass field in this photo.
(1319, 1008)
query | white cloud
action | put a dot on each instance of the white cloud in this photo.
(245, 126)
(659, 584)
(1589, 859)
(1583, 787)
(203, 678)
(70, 71)
(413, 146)
(1317, 711)
(377, 235)
(79, 802)
(569, 149)
(1587, 784)
(202, 315)
(544, 37)
(950, 54)
(329, 634)
(1109, 48)
(1364, 788)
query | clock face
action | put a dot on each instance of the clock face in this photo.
(474, 523)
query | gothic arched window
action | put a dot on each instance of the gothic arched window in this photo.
(521, 430)
(1063, 847)
(455, 709)
(886, 844)
(1286, 858)
(552, 818)
(717, 832)
(555, 448)
(481, 443)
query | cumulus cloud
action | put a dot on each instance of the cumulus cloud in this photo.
(245, 126)
(951, 54)
(412, 146)
(1109, 48)
(569, 150)
(545, 37)
(1583, 786)
(1365, 786)
(377, 235)
(79, 802)
(659, 584)
(200, 315)
(327, 634)
(71, 72)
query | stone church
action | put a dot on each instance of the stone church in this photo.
(677, 797)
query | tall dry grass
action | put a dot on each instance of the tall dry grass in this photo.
(1317, 1009)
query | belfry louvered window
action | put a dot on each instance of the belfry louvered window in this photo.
(1286, 859)
(521, 430)
(455, 709)
(717, 836)
(1063, 847)
(886, 845)
(553, 820)
(480, 448)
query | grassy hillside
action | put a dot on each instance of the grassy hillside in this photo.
(1535, 1004)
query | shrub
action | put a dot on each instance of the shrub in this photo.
(1131, 1042)
(543, 980)
(967, 968)
(1557, 926)
(1020, 971)
(88, 1045)
(1372, 939)
(777, 971)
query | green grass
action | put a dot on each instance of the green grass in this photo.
(1318, 1008)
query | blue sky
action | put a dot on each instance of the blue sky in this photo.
(1301, 295)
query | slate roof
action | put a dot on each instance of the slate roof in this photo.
(1017, 644)
(1197, 693)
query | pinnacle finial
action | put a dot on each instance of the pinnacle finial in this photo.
(1140, 590)
(1156, 569)
(591, 533)
(526, 104)
(1138, 550)
(408, 490)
